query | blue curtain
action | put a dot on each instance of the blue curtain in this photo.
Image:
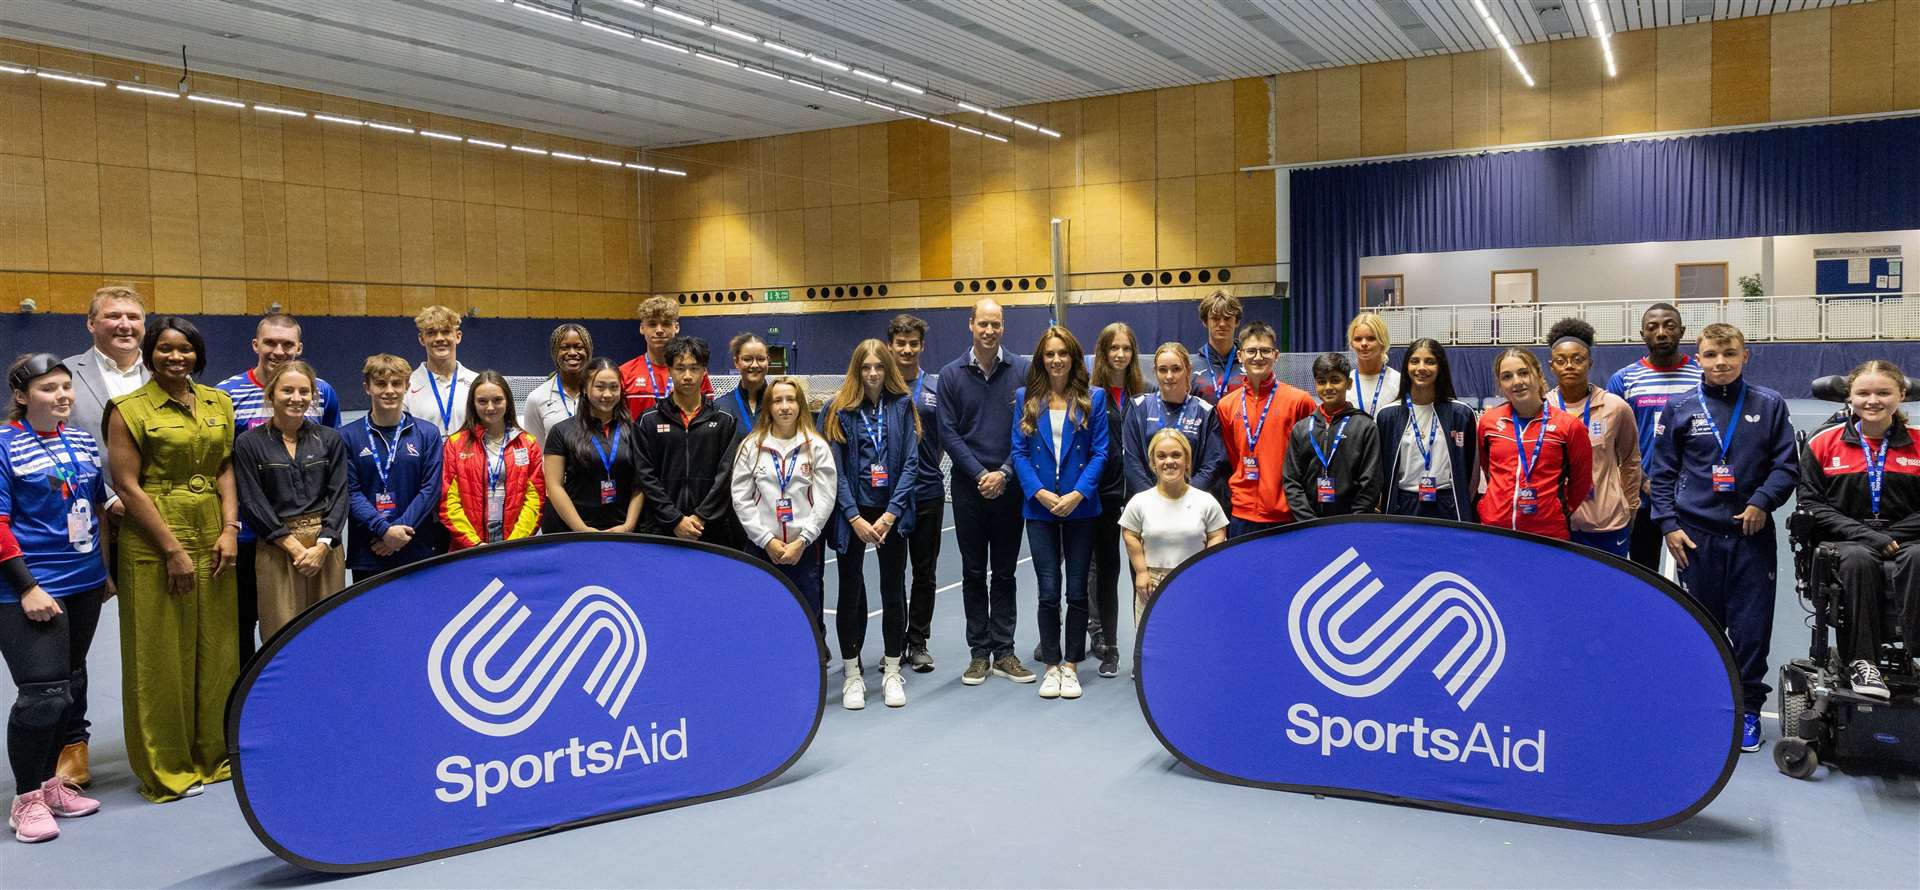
(1792, 181)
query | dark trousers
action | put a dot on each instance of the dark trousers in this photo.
(850, 613)
(923, 550)
(48, 661)
(988, 532)
(1237, 527)
(249, 587)
(1408, 503)
(809, 574)
(1732, 578)
(1053, 542)
(1103, 604)
(1647, 543)
(1866, 578)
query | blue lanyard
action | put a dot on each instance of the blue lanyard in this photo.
(610, 452)
(68, 471)
(1586, 411)
(1876, 465)
(560, 390)
(1520, 444)
(1160, 415)
(876, 430)
(494, 476)
(1733, 423)
(1326, 462)
(1253, 432)
(1426, 447)
(1379, 381)
(384, 468)
(652, 386)
(783, 468)
(1220, 380)
(746, 413)
(917, 381)
(453, 387)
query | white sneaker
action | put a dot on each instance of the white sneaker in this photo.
(853, 692)
(892, 685)
(1069, 681)
(1050, 684)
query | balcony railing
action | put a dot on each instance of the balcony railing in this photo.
(1785, 319)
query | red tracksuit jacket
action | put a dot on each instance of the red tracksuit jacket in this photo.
(1561, 477)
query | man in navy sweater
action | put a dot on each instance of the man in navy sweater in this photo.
(1724, 459)
(976, 429)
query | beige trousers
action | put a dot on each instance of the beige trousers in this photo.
(284, 591)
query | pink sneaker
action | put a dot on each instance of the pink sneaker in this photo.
(31, 821)
(63, 798)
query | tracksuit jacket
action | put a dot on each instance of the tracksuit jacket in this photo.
(463, 480)
(1561, 476)
(1195, 420)
(1458, 433)
(754, 488)
(853, 460)
(931, 482)
(684, 467)
(414, 482)
(1263, 499)
(1113, 477)
(1762, 453)
(1833, 486)
(1354, 465)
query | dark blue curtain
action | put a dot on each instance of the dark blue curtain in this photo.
(1858, 177)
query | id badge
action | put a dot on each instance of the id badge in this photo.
(1529, 502)
(1429, 489)
(383, 502)
(1723, 479)
(80, 526)
(606, 491)
(496, 505)
(783, 510)
(877, 476)
(1325, 487)
(1251, 468)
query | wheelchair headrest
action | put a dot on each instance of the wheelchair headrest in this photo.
(1831, 388)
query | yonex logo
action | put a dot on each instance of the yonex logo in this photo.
(592, 619)
(1368, 662)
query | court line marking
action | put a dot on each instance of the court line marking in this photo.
(958, 583)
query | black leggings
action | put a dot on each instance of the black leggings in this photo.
(850, 613)
(48, 661)
(1104, 603)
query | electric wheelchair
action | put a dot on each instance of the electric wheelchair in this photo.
(1821, 719)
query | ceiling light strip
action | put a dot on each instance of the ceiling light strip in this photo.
(1494, 27)
(1606, 37)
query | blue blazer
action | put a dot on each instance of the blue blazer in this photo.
(903, 468)
(1077, 470)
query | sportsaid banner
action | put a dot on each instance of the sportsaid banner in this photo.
(492, 694)
(1446, 665)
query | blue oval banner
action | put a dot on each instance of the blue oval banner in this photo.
(489, 695)
(1446, 665)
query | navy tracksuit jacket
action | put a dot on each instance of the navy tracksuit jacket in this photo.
(1729, 574)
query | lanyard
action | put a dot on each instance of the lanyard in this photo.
(1426, 446)
(746, 413)
(1586, 411)
(652, 386)
(1379, 381)
(1326, 457)
(1876, 466)
(1520, 444)
(453, 386)
(876, 429)
(1220, 380)
(66, 472)
(494, 476)
(783, 467)
(560, 390)
(384, 468)
(1253, 432)
(1733, 423)
(1160, 415)
(917, 381)
(610, 452)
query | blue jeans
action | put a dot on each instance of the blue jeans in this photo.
(1615, 542)
(1051, 542)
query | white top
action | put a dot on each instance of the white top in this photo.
(419, 402)
(1056, 427)
(119, 382)
(1422, 418)
(810, 489)
(1388, 383)
(1172, 530)
(545, 407)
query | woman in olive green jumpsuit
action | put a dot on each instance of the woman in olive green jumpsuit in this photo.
(171, 443)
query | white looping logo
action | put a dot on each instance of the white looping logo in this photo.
(1363, 665)
(508, 703)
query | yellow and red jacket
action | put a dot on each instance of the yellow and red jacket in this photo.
(463, 476)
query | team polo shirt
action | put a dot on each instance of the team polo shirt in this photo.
(33, 501)
(1647, 389)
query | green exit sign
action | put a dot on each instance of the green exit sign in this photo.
(777, 296)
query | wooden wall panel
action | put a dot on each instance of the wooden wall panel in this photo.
(510, 240)
(1100, 221)
(1253, 226)
(1801, 62)
(1069, 203)
(1383, 108)
(1173, 132)
(996, 166)
(1860, 76)
(306, 233)
(566, 249)
(260, 146)
(223, 240)
(1429, 103)
(1063, 154)
(1138, 213)
(903, 242)
(73, 216)
(1174, 222)
(216, 138)
(818, 263)
(1213, 122)
(1213, 219)
(1576, 89)
(843, 164)
(963, 160)
(1630, 99)
(263, 207)
(997, 223)
(1099, 142)
(1338, 107)
(1252, 103)
(969, 240)
(1476, 98)
(1296, 114)
(1684, 82)
(876, 242)
(1032, 160)
(380, 228)
(1138, 112)
(1906, 54)
(1742, 62)
(23, 212)
(936, 237)
(126, 222)
(176, 223)
(66, 121)
(1526, 113)
(20, 108)
(120, 128)
(480, 236)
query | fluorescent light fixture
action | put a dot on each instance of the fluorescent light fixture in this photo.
(1606, 39)
(912, 114)
(530, 7)
(483, 143)
(876, 78)
(610, 29)
(14, 69)
(446, 136)
(652, 41)
(1046, 132)
(718, 28)
(968, 106)
(1481, 8)
(530, 150)
(270, 109)
(567, 156)
(879, 105)
(168, 94)
(638, 4)
(722, 60)
(825, 62)
(1502, 38)
(763, 72)
(391, 128)
(966, 129)
(338, 120)
(216, 100)
(783, 48)
(1494, 28)
(947, 124)
(1000, 117)
(680, 16)
(602, 161)
(671, 172)
(905, 87)
(995, 137)
(812, 86)
(632, 166)
(845, 95)
(68, 78)
(1030, 126)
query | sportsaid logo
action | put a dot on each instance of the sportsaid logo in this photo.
(1363, 661)
(503, 694)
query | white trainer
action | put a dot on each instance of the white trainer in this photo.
(1069, 681)
(853, 692)
(892, 685)
(1050, 684)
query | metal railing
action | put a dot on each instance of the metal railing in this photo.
(1803, 318)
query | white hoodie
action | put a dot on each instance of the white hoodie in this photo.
(756, 488)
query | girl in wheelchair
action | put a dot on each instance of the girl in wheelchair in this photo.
(1860, 480)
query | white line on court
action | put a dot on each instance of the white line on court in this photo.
(833, 559)
(957, 583)
(941, 590)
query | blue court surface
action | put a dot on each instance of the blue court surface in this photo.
(992, 786)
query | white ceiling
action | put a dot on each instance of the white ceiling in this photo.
(489, 61)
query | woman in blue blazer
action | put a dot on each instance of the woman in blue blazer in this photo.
(874, 431)
(1427, 440)
(1059, 452)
